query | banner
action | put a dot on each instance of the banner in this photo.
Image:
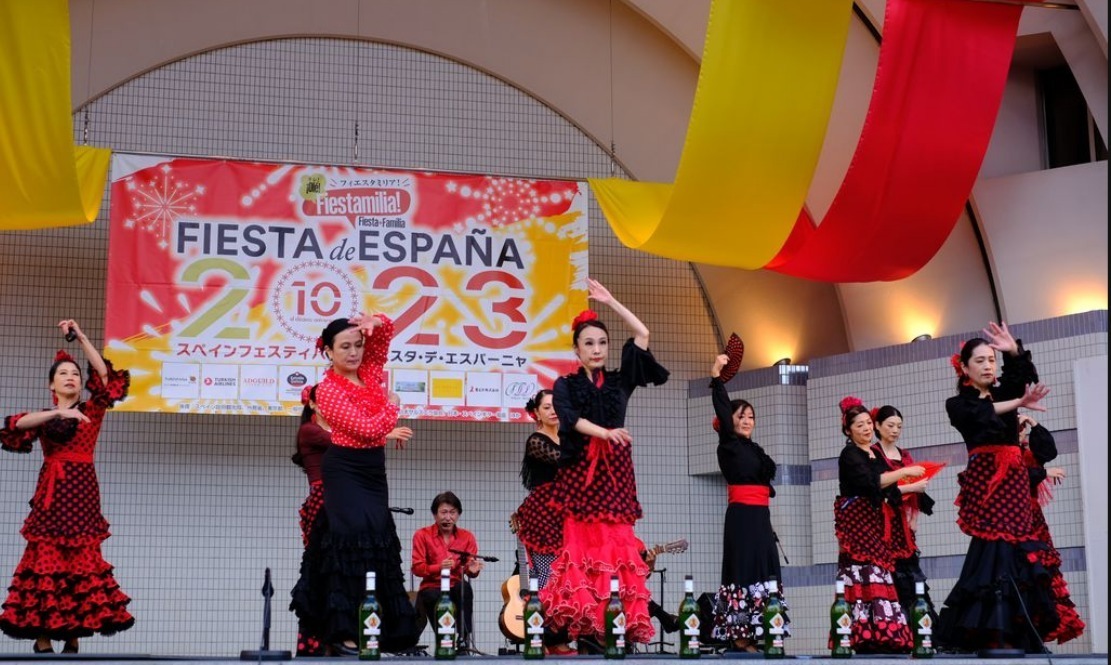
(222, 274)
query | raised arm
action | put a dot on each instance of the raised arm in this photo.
(601, 294)
(91, 354)
(720, 396)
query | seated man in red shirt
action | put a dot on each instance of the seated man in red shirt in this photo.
(445, 545)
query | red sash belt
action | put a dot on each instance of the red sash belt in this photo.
(599, 451)
(55, 469)
(1006, 458)
(750, 495)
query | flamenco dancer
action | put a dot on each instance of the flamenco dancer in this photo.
(749, 560)
(596, 484)
(865, 562)
(63, 589)
(313, 438)
(1003, 598)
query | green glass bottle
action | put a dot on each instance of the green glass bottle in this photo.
(840, 625)
(690, 625)
(615, 623)
(922, 624)
(370, 622)
(445, 619)
(775, 623)
(534, 622)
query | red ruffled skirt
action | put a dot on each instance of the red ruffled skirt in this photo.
(1071, 625)
(578, 589)
(64, 592)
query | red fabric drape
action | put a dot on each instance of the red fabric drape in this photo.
(942, 69)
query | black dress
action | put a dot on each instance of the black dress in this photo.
(865, 562)
(749, 557)
(908, 569)
(540, 517)
(1003, 581)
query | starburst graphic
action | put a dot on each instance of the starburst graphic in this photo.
(159, 201)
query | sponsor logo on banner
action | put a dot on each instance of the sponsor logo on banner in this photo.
(483, 389)
(181, 380)
(222, 275)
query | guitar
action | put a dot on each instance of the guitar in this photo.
(511, 620)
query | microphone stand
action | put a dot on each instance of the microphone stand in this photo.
(264, 652)
(662, 642)
(466, 634)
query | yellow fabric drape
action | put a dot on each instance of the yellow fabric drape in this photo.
(45, 180)
(765, 92)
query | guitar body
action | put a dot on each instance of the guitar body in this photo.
(511, 619)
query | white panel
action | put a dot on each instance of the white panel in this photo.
(1090, 380)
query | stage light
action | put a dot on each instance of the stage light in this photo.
(781, 361)
(922, 338)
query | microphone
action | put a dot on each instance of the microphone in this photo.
(491, 559)
(404, 511)
(71, 334)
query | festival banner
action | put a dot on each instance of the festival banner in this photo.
(221, 275)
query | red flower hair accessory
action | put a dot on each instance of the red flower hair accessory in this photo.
(61, 356)
(955, 361)
(583, 317)
(320, 345)
(306, 394)
(848, 403)
(716, 424)
(875, 413)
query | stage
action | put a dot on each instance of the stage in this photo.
(1091, 659)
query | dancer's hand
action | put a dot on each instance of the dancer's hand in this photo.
(596, 291)
(1056, 474)
(1032, 398)
(69, 324)
(72, 413)
(914, 471)
(720, 362)
(399, 435)
(619, 436)
(1000, 338)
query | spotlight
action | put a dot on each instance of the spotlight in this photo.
(781, 362)
(922, 338)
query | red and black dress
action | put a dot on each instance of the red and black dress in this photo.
(1041, 450)
(866, 561)
(901, 510)
(63, 588)
(749, 558)
(1003, 579)
(540, 517)
(356, 529)
(312, 441)
(597, 487)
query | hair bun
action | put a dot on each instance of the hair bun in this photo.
(583, 317)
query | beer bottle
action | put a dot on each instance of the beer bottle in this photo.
(534, 622)
(775, 623)
(840, 625)
(615, 623)
(689, 622)
(445, 619)
(922, 624)
(370, 622)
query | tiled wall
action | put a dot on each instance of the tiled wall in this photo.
(917, 379)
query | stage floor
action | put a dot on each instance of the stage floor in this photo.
(1091, 659)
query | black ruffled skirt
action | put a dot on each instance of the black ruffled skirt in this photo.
(1003, 598)
(354, 534)
(908, 572)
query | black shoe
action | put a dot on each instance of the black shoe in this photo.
(588, 646)
(70, 647)
(341, 649)
(35, 648)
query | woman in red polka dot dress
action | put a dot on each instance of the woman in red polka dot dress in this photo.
(63, 589)
(1004, 595)
(596, 483)
(866, 558)
(356, 529)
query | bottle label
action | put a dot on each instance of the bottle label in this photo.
(776, 624)
(777, 641)
(844, 625)
(446, 642)
(693, 643)
(535, 624)
(692, 625)
(372, 625)
(846, 642)
(619, 627)
(927, 643)
(620, 641)
(446, 624)
(925, 625)
(536, 642)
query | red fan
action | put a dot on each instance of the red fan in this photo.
(932, 469)
(735, 349)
